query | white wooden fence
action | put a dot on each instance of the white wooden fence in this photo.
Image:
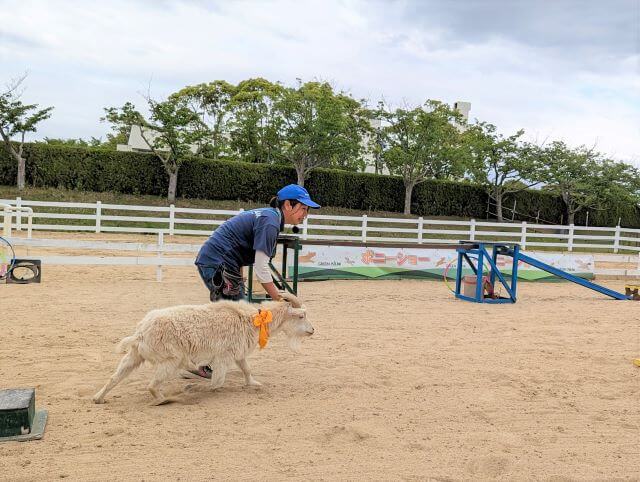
(141, 254)
(182, 254)
(98, 217)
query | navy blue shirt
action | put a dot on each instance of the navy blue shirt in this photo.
(235, 242)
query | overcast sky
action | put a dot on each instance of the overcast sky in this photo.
(560, 69)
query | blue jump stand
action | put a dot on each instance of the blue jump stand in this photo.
(512, 250)
(482, 256)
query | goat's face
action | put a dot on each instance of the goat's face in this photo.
(296, 327)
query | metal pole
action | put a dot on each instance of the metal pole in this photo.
(514, 270)
(494, 255)
(284, 260)
(296, 249)
(479, 283)
(459, 272)
(250, 294)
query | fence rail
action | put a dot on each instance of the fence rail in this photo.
(182, 254)
(171, 220)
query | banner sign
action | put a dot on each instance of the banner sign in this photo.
(346, 262)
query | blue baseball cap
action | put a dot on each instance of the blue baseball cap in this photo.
(293, 191)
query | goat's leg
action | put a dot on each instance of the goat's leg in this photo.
(218, 374)
(164, 371)
(248, 378)
(128, 363)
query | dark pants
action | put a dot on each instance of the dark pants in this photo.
(222, 283)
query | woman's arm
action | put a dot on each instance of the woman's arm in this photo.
(263, 273)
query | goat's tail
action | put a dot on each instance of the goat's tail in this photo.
(126, 344)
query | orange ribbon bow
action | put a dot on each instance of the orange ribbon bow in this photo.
(261, 320)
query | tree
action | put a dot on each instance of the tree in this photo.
(171, 132)
(504, 165)
(255, 127)
(375, 143)
(319, 127)
(585, 180)
(212, 102)
(421, 144)
(16, 119)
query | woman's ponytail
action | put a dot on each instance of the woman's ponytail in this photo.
(277, 203)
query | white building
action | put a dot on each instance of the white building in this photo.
(136, 142)
(464, 108)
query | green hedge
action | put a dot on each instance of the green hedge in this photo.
(87, 169)
(99, 170)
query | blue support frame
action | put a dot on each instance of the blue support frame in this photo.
(480, 251)
(513, 250)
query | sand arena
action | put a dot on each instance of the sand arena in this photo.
(400, 381)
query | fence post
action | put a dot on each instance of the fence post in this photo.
(523, 235)
(6, 230)
(420, 228)
(570, 241)
(586, 223)
(160, 250)
(172, 219)
(616, 239)
(364, 228)
(304, 229)
(513, 211)
(98, 215)
(472, 230)
(18, 214)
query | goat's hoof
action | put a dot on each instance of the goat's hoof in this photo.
(98, 400)
(160, 401)
(254, 383)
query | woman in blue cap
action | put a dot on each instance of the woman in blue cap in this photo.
(250, 238)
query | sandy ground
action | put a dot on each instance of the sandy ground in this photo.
(400, 382)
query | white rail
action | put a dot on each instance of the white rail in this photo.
(171, 220)
(8, 211)
(146, 254)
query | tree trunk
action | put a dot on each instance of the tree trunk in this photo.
(21, 172)
(499, 207)
(17, 155)
(408, 190)
(570, 214)
(173, 183)
(300, 172)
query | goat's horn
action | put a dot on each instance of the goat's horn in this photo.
(291, 298)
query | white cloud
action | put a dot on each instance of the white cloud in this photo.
(83, 56)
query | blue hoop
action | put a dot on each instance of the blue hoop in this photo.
(3, 242)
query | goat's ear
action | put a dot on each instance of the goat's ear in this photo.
(298, 312)
(291, 298)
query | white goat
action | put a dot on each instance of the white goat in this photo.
(188, 336)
